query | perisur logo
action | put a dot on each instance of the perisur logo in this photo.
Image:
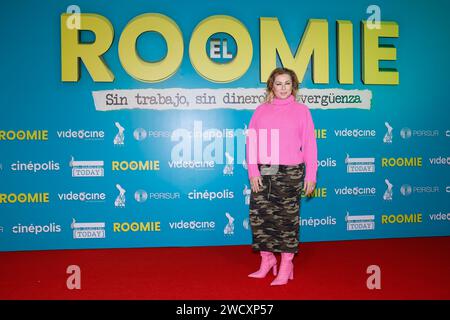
(86, 168)
(360, 165)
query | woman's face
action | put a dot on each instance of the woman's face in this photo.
(282, 86)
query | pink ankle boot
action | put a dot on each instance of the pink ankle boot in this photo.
(268, 261)
(286, 271)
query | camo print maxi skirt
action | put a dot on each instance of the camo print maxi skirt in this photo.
(275, 209)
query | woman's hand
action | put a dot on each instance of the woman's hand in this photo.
(308, 187)
(256, 183)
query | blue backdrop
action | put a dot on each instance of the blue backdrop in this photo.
(73, 176)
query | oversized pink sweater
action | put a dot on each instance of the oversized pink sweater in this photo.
(282, 132)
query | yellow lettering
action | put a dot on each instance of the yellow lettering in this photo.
(345, 51)
(151, 71)
(201, 62)
(372, 53)
(314, 45)
(90, 53)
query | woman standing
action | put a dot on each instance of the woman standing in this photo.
(285, 129)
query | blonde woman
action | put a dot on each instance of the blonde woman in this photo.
(284, 128)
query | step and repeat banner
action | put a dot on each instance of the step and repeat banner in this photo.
(123, 123)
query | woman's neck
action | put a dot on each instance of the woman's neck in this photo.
(279, 101)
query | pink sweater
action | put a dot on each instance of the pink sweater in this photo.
(292, 142)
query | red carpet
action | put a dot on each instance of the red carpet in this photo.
(412, 268)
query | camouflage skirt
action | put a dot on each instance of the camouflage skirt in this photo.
(275, 209)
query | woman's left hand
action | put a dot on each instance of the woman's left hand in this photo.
(308, 187)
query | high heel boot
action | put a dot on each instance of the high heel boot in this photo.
(286, 271)
(268, 261)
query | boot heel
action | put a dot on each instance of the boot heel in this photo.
(291, 277)
(274, 270)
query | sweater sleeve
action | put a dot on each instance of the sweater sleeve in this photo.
(309, 148)
(252, 146)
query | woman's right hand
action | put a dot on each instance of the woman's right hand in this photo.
(256, 183)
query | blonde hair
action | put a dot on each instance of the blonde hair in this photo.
(276, 72)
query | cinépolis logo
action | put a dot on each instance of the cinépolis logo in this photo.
(360, 165)
(24, 135)
(328, 162)
(210, 195)
(36, 229)
(12, 198)
(35, 166)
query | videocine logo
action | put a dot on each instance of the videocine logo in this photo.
(81, 134)
(82, 196)
(366, 222)
(88, 230)
(360, 165)
(86, 168)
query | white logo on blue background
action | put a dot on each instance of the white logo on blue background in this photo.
(120, 200)
(229, 228)
(88, 230)
(86, 168)
(405, 133)
(360, 165)
(354, 223)
(229, 166)
(119, 139)
(140, 134)
(140, 196)
(246, 192)
(388, 193)
(405, 190)
(388, 136)
(221, 48)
